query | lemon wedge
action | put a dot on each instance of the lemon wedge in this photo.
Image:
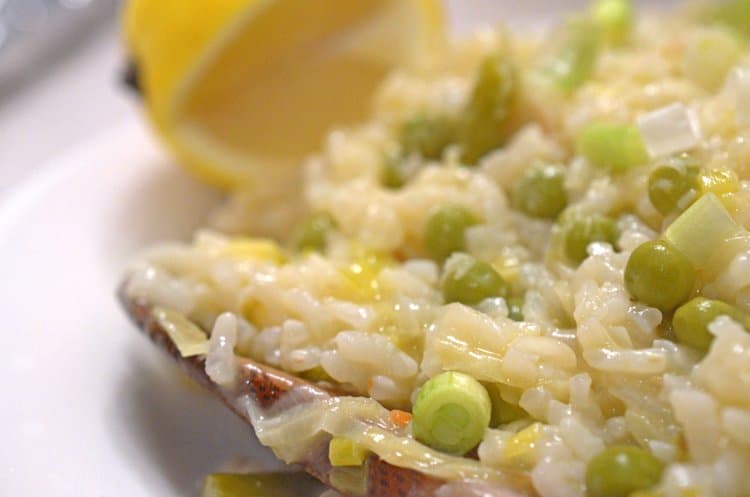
(243, 90)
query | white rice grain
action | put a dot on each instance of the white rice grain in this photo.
(220, 360)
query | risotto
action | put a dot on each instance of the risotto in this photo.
(535, 253)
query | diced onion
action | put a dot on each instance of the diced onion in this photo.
(702, 230)
(189, 339)
(709, 55)
(668, 130)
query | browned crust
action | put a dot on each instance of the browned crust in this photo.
(267, 386)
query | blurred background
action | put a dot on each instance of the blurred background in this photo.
(61, 67)
(59, 61)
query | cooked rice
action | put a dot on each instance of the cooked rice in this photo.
(588, 363)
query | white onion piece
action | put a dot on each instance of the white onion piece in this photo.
(668, 130)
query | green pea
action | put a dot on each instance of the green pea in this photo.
(541, 192)
(486, 121)
(581, 233)
(445, 230)
(690, 321)
(451, 413)
(515, 308)
(427, 136)
(394, 174)
(312, 235)
(668, 184)
(619, 471)
(470, 281)
(659, 275)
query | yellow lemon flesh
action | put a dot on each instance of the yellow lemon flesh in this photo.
(243, 90)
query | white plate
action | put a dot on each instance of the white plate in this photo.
(89, 407)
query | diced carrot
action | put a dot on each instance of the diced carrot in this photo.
(400, 418)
